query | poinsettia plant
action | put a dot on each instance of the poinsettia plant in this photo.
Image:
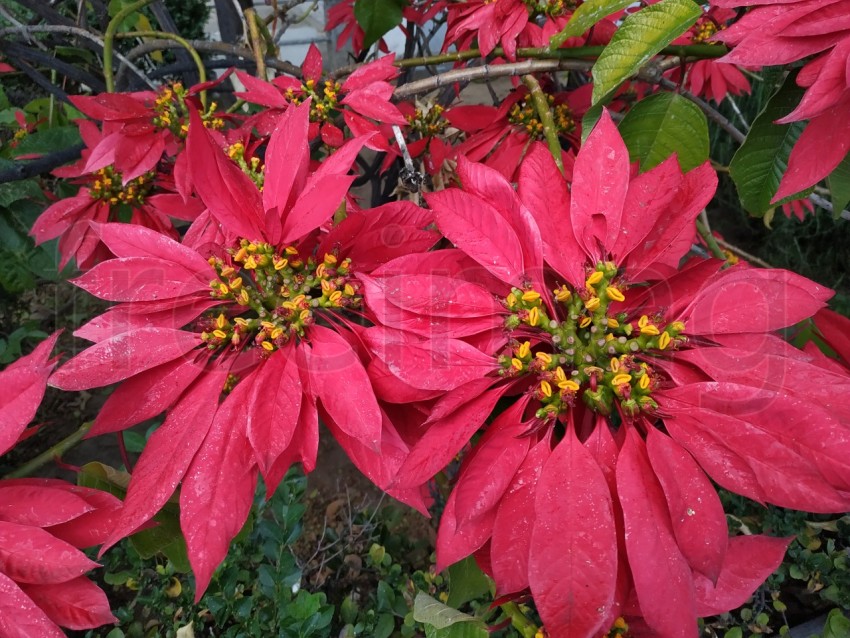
(530, 286)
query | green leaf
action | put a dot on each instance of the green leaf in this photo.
(460, 630)
(641, 36)
(762, 159)
(466, 582)
(11, 192)
(584, 17)
(839, 187)
(49, 140)
(134, 442)
(432, 612)
(837, 625)
(663, 124)
(377, 17)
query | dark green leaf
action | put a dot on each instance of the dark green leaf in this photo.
(663, 124)
(762, 159)
(839, 187)
(134, 442)
(466, 582)
(11, 192)
(641, 36)
(49, 140)
(584, 17)
(377, 17)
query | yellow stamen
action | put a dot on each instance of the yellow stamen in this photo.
(516, 363)
(570, 385)
(615, 294)
(335, 296)
(592, 303)
(330, 259)
(530, 296)
(643, 321)
(545, 358)
(678, 326)
(533, 317)
(615, 365)
(663, 341)
(643, 382)
(585, 322)
(235, 283)
(595, 278)
(268, 346)
(613, 323)
(221, 334)
(280, 263)
(511, 300)
(621, 379)
(220, 321)
(560, 375)
(649, 330)
(562, 294)
(546, 389)
(524, 350)
(349, 290)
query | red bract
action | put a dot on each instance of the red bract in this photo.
(364, 96)
(105, 194)
(43, 523)
(243, 338)
(636, 381)
(139, 128)
(772, 33)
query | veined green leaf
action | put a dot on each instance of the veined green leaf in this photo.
(377, 17)
(641, 36)
(585, 16)
(663, 124)
(431, 611)
(839, 186)
(759, 164)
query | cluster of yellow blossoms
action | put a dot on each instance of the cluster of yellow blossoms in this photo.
(524, 115)
(172, 113)
(324, 100)
(107, 186)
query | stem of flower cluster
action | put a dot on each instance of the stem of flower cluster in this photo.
(519, 620)
(165, 35)
(256, 42)
(109, 40)
(545, 115)
(682, 51)
(710, 240)
(51, 453)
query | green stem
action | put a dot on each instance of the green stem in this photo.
(710, 240)
(682, 51)
(541, 104)
(255, 40)
(165, 35)
(519, 620)
(52, 453)
(109, 40)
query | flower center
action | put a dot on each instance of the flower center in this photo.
(588, 350)
(252, 167)
(275, 295)
(550, 8)
(171, 112)
(108, 187)
(524, 115)
(428, 121)
(324, 101)
(704, 30)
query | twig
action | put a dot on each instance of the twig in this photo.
(109, 40)
(488, 71)
(742, 253)
(76, 31)
(23, 170)
(545, 114)
(711, 241)
(54, 452)
(256, 43)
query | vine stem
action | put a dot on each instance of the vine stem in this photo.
(705, 232)
(256, 42)
(109, 40)
(519, 620)
(165, 35)
(51, 453)
(541, 104)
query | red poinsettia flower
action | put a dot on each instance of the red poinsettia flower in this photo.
(636, 381)
(363, 99)
(139, 128)
(43, 525)
(499, 136)
(259, 317)
(772, 33)
(148, 200)
(710, 78)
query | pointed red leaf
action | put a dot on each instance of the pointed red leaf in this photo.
(145, 395)
(478, 229)
(123, 356)
(131, 240)
(32, 555)
(260, 92)
(168, 453)
(572, 565)
(342, 385)
(600, 183)
(315, 206)
(749, 561)
(20, 617)
(218, 489)
(698, 519)
(140, 279)
(662, 578)
(275, 405)
(24, 382)
(311, 68)
(753, 300)
(75, 604)
(39, 506)
(512, 527)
